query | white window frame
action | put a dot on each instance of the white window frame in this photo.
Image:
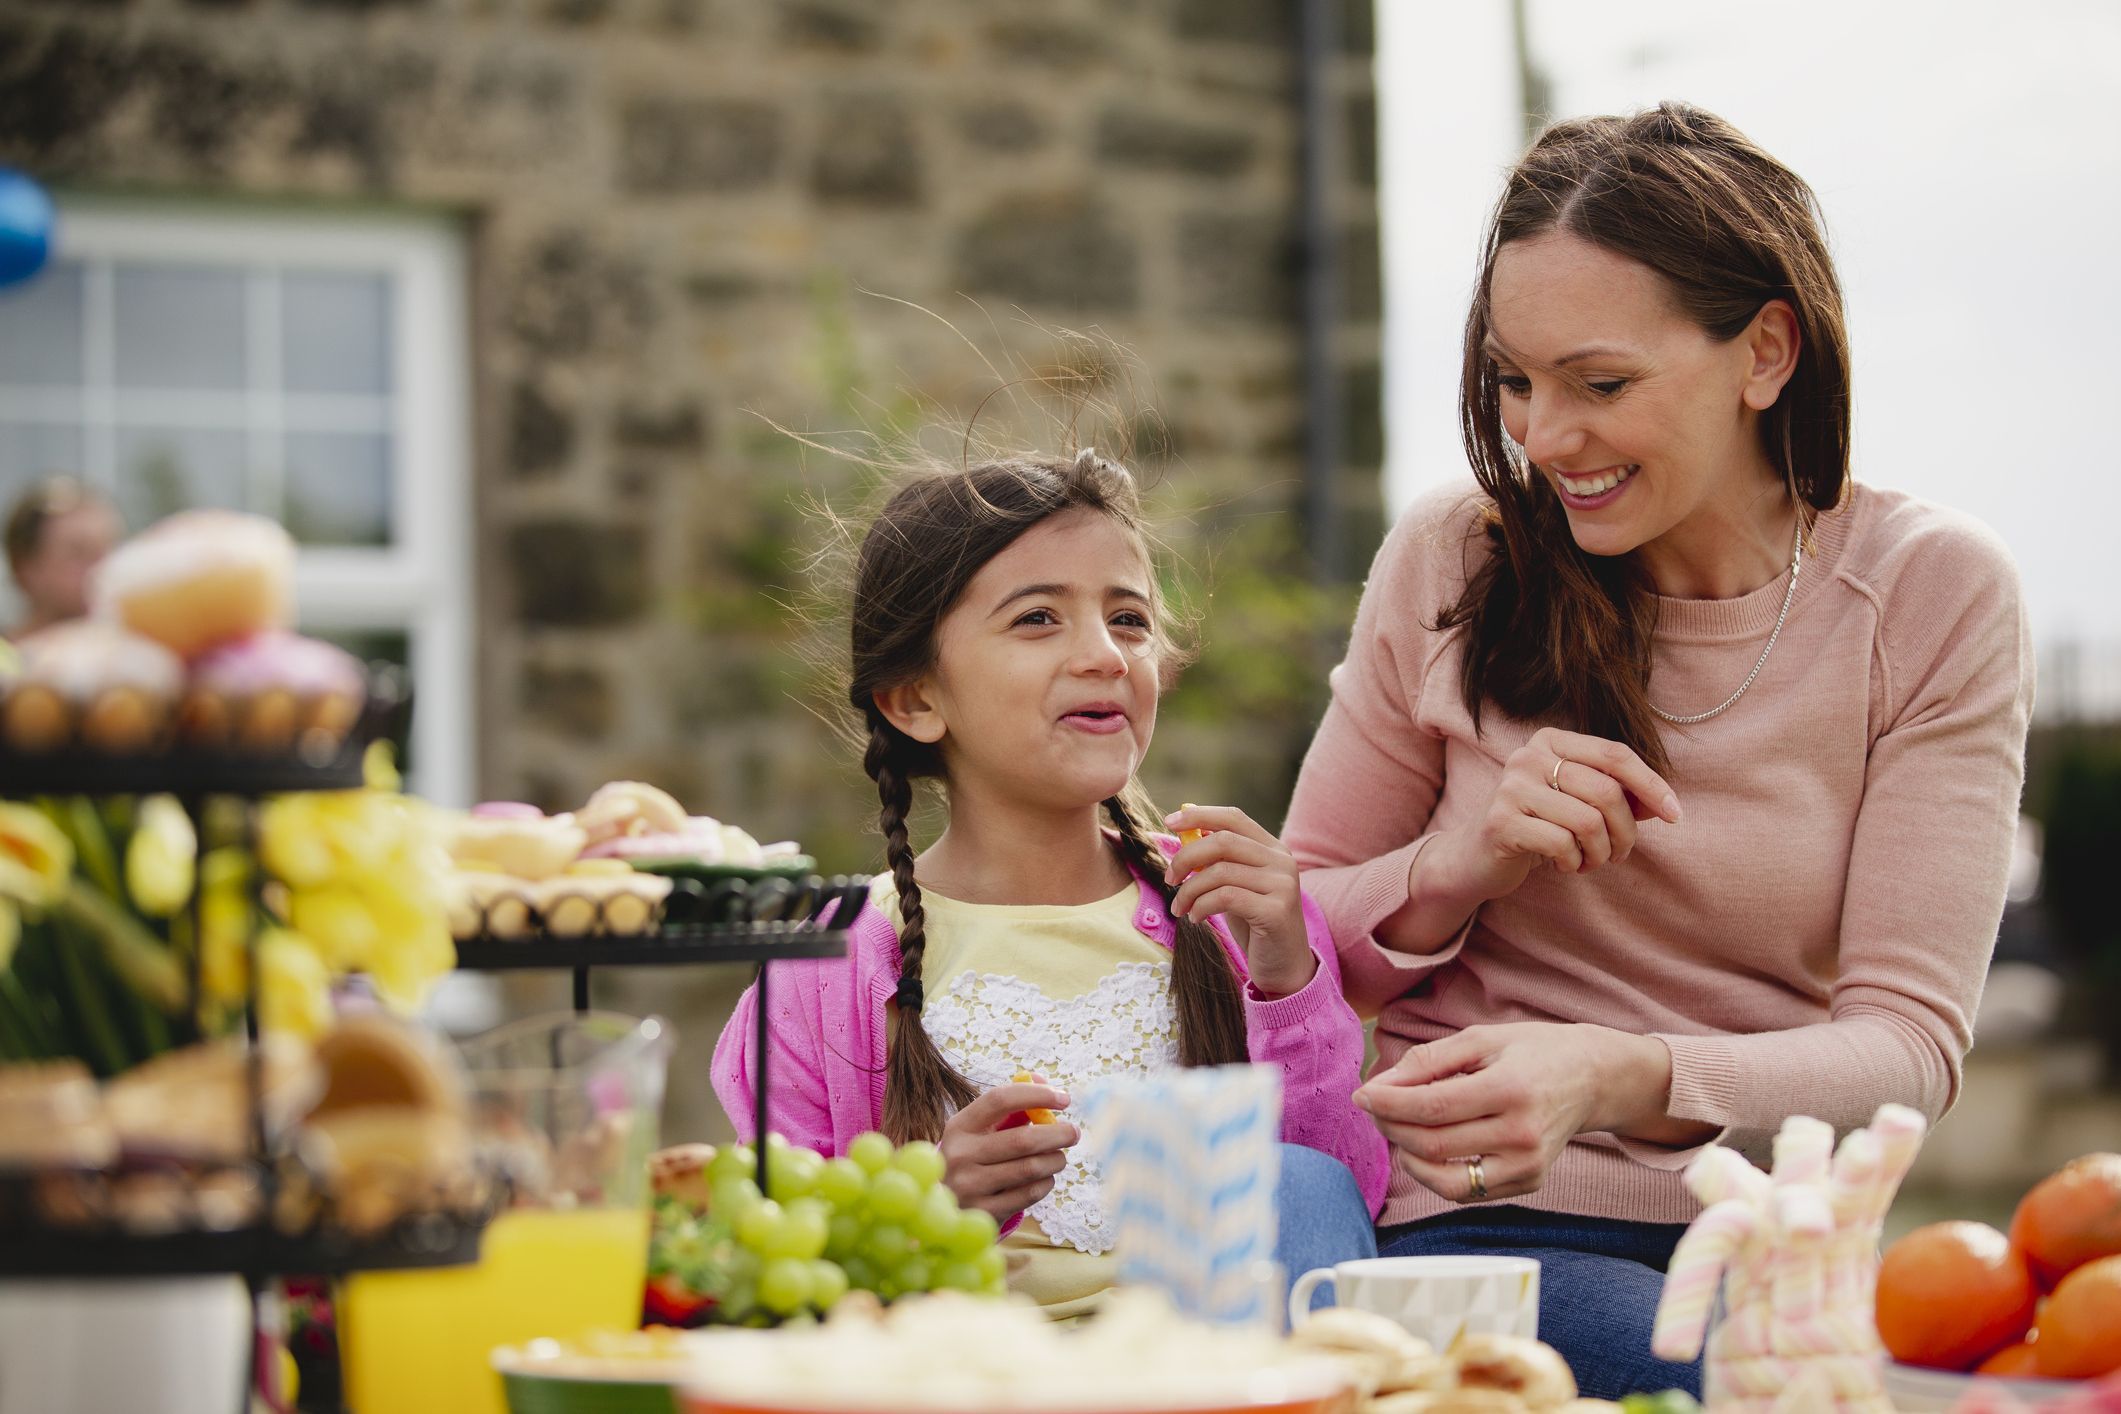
(420, 583)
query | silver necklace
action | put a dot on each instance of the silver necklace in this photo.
(1789, 596)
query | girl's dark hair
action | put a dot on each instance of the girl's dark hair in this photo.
(1555, 632)
(37, 508)
(932, 536)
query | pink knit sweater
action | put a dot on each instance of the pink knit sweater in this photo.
(1813, 935)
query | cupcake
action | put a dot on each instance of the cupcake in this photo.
(200, 578)
(273, 690)
(91, 682)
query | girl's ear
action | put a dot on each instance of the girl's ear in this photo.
(911, 707)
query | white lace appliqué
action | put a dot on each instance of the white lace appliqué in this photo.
(990, 1027)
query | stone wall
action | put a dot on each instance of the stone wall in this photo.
(671, 209)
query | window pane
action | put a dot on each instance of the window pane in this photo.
(167, 469)
(40, 328)
(179, 327)
(335, 333)
(31, 451)
(338, 488)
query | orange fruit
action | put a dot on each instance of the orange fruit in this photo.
(1952, 1294)
(2080, 1326)
(2071, 1217)
(2011, 1361)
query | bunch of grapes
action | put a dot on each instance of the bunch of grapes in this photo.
(879, 1220)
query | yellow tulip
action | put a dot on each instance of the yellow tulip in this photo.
(225, 921)
(161, 858)
(35, 856)
(294, 986)
(340, 922)
(292, 842)
(379, 767)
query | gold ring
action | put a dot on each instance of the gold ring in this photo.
(1477, 1182)
(1554, 776)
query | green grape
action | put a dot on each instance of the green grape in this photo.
(731, 1198)
(731, 1161)
(894, 1196)
(992, 1266)
(936, 1222)
(792, 1173)
(842, 1183)
(916, 1273)
(862, 1274)
(806, 1227)
(922, 1160)
(872, 1151)
(959, 1276)
(843, 1234)
(889, 1288)
(886, 1244)
(760, 1228)
(785, 1285)
(976, 1232)
(775, 1142)
(827, 1285)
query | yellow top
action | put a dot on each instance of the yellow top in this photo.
(1070, 993)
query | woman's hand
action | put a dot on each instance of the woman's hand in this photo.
(1513, 1096)
(1244, 874)
(1002, 1170)
(1566, 800)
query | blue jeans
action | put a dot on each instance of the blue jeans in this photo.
(1324, 1220)
(1599, 1280)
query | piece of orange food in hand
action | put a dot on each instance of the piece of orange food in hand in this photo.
(1951, 1294)
(1037, 1114)
(2080, 1324)
(2071, 1217)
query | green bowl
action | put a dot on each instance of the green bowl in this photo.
(543, 1378)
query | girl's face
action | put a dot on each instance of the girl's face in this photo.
(1045, 684)
(1630, 411)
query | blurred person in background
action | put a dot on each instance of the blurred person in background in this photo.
(57, 534)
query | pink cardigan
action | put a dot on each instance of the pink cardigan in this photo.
(826, 1073)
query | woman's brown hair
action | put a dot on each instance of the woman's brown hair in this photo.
(1555, 633)
(932, 536)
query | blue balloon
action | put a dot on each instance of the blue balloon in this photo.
(25, 227)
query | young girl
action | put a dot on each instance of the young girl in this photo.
(1009, 643)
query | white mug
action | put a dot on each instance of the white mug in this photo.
(1437, 1298)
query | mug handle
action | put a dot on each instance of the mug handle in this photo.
(1300, 1294)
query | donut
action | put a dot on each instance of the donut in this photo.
(272, 689)
(199, 578)
(92, 682)
(680, 1173)
(376, 1060)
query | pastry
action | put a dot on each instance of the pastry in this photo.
(600, 896)
(194, 1103)
(517, 839)
(1514, 1364)
(376, 1060)
(199, 578)
(621, 808)
(490, 903)
(51, 1115)
(269, 691)
(91, 682)
(680, 1174)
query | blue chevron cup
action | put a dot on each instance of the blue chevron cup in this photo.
(1191, 1161)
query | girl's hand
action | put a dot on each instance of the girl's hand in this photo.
(1514, 1096)
(1565, 799)
(1001, 1170)
(1243, 873)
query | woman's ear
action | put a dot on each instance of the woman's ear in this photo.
(1772, 343)
(911, 707)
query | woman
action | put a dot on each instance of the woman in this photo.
(1669, 784)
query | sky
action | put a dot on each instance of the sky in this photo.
(1966, 156)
